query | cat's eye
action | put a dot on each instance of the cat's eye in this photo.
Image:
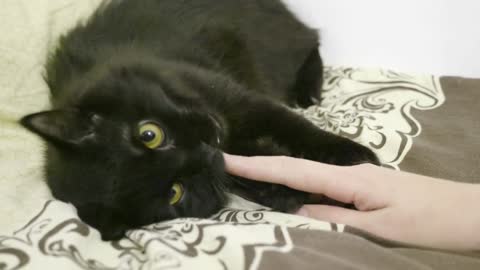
(151, 135)
(176, 194)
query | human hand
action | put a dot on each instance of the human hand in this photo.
(391, 204)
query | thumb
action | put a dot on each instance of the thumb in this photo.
(336, 214)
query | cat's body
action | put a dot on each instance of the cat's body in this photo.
(210, 76)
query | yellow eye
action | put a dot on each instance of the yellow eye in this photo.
(176, 194)
(151, 135)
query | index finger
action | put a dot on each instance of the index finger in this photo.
(305, 175)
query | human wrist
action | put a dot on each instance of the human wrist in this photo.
(471, 203)
(476, 214)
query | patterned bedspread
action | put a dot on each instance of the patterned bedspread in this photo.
(414, 122)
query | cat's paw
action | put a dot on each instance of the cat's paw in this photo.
(283, 199)
(344, 152)
(278, 197)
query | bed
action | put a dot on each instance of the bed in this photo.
(414, 122)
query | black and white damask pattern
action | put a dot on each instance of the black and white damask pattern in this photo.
(232, 239)
(373, 107)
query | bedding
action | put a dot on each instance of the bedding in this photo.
(414, 122)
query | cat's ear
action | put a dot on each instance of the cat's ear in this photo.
(59, 126)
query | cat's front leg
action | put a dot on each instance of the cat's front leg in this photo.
(263, 127)
(263, 118)
(334, 149)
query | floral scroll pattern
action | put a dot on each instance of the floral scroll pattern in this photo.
(375, 108)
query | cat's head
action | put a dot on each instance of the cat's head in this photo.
(130, 146)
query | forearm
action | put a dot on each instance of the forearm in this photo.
(439, 214)
(471, 217)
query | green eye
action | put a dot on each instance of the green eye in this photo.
(176, 194)
(151, 135)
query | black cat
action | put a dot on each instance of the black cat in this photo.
(147, 94)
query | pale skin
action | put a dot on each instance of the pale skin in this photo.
(395, 205)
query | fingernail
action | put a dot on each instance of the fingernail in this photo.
(302, 212)
(233, 158)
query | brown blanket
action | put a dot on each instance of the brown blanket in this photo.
(448, 147)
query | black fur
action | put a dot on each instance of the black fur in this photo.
(216, 75)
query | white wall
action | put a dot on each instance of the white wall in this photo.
(439, 37)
